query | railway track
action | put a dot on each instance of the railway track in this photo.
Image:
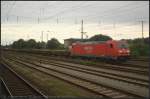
(144, 59)
(4, 91)
(122, 66)
(113, 66)
(60, 70)
(16, 85)
(131, 63)
(62, 77)
(139, 63)
(131, 80)
(128, 68)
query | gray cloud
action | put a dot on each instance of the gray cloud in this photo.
(71, 11)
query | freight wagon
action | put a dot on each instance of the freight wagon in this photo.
(111, 49)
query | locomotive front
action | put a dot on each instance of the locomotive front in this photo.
(123, 50)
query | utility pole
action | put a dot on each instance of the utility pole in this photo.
(100, 26)
(17, 19)
(114, 26)
(47, 37)
(57, 20)
(82, 30)
(38, 20)
(28, 36)
(76, 21)
(7, 18)
(42, 36)
(43, 11)
(82, 33)
(142, 30)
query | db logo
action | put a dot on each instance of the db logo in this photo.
(88, 49)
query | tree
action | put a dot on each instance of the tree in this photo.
(53, 44)
(40, 45)
(139, 47)
(31, 43)
(19, 44)
(100, 37)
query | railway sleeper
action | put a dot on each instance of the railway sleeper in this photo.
(91, 87)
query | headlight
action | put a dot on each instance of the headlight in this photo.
(120, 51)
(128, 51)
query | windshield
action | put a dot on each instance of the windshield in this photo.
(123, 45)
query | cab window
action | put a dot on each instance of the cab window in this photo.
(123, 45)
(111, 45)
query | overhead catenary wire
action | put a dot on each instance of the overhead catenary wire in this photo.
(9, 10)
(41, 19)
(119, 8)
(121, 12)
(108, 11)
(75, 9)
(68, 11)
(64, 11)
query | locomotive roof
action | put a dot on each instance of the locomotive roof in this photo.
(95, 42)
(75, 39)
(92, 42)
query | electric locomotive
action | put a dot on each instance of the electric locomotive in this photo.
(107, 49)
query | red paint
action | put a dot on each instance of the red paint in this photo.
(99, 49)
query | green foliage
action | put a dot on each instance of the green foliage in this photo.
(31, 43)
(139, 47)
(19, 44)
(53, 44)
(40, 45)
(100, 37)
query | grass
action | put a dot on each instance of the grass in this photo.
(50, 85)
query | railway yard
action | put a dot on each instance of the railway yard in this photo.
(31, 74)
(74, 49)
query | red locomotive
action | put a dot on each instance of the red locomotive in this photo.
(94, 49)
(109, 49)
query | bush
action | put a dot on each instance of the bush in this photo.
(139, 49)
(100, 37)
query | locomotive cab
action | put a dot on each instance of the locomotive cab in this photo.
(111, 49)
(118, 50)
(123, 50)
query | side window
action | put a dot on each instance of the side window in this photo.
(111, 45)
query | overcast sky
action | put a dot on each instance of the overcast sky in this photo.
(118, 19)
